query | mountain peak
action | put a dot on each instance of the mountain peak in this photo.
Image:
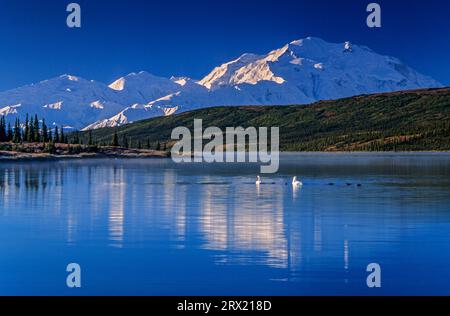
(306, 40)
(118, 85)
(303, 71)
(69, 77)
(139, 74)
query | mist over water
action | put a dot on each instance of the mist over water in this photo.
(152, 227)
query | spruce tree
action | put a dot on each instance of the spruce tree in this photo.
(115, 140)
(9, 133)
(26, 132)
(62, 137)
(19, 131)
(125, 141)
(90, 142)
(16, 132)
(56, 138)
(2, 129)
(76, 139)
(31, 131)
(37, 136)
(44, 132)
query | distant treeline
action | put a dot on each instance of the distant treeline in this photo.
(31, 131)
(124, 141)
(34, 130)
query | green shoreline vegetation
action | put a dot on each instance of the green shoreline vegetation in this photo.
(34, 140)
(416, 120)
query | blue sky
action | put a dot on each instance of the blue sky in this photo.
(190, 37)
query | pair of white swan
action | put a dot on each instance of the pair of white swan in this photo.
(295, 182)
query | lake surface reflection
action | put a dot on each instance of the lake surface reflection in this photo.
(152, 227)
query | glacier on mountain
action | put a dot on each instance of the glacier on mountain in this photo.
(301, 72)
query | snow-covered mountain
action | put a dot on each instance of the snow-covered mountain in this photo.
(301, 72)
(67, 100)
(142, 87)
(75, 103)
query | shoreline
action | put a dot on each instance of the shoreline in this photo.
(11, 156)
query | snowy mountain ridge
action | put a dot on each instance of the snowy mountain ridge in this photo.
(301, 72)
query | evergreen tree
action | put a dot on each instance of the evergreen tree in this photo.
(158, 146)
(19, 131)
(76, 139)
(90, 142)
(2, 129)
(62, 138)
(139, 146)
(37, 136)
(9, 133)
(44, 132)
(115, 140)
(31, 131)
(16, 132)
(26, 132)
(56, 138)
(125, 141)
(148, 143)
(50, 136)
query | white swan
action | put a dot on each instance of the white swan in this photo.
(296, 183)
(258, 180)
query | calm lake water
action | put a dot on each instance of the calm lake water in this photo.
(152, 227)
